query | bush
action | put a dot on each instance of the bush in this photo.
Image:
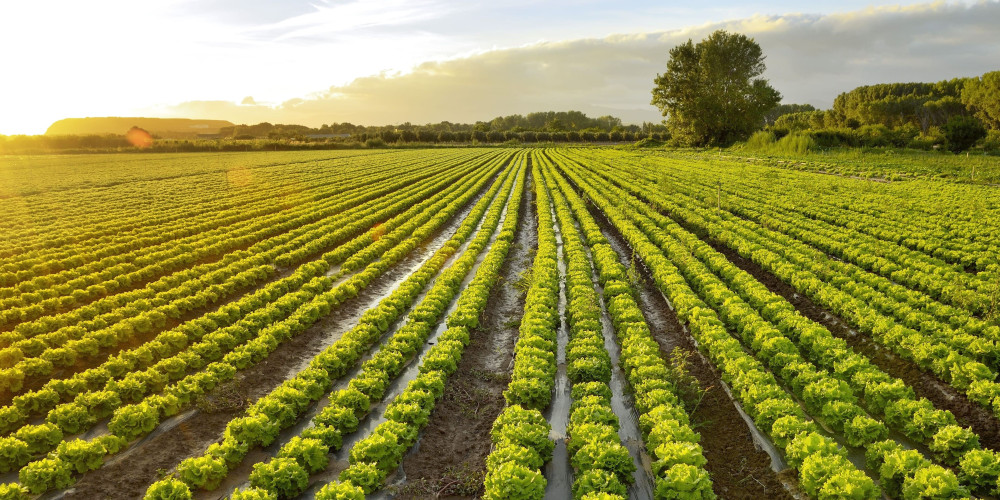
(962, 132)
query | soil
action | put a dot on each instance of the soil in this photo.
(449, 460)
(967, 413)
(739, 468)
(129, 474)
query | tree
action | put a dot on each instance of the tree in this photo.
(711, 93)
(785, 109)
(982, 95)
(962, 132)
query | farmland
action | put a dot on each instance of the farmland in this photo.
(499, 323)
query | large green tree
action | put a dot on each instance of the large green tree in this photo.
(983, 96)
(712, 93)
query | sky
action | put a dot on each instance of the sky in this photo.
(391, 61)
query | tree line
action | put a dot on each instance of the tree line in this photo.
(558, 126)
(712, 94)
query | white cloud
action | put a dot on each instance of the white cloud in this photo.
(810, 58)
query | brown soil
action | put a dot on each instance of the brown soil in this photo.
(449, 460)
(738, 467)
(127, 475)
(968, 413)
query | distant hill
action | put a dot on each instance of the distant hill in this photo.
(176, 128)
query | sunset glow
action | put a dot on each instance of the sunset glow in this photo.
(296, 60)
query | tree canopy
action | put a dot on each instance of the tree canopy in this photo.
(897, 104)
(982, 95)
(712, 93)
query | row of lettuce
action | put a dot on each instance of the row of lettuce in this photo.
(36, 202)
(93, 269)
(678, 460)
(603, 467)
(845, 392)
(957, 348)
(133, 315)
(241, 335)
(287, 474)
(74, 276)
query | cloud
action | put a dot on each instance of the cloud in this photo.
(810, 58)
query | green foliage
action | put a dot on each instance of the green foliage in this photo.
(311, 454)
(933, 481)
(849, 485)
(81, 455)
(46, 474)
(896, 467)
(168, 489)
(952, 442)
(673, 453)
(711, 93)
(365, 475)
(818, 468)
(683, 482)
(982, 95)
(13, 491)
(810, 443)
(896, 104)
(283, 476)
(255, 430)
(13, 453)
(512, 481)
(133, 421)
(596, 480)
(612, 457)
(253, 494)
(511, 452)
(862, 431)
(962, 132)
(205, 472)
(340, 490)
(980, 469)
(765, 142)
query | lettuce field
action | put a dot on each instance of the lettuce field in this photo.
(586, 323)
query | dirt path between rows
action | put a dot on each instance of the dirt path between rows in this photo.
(739, 468)
(968, 413)
(127, 475)
(449, 460)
